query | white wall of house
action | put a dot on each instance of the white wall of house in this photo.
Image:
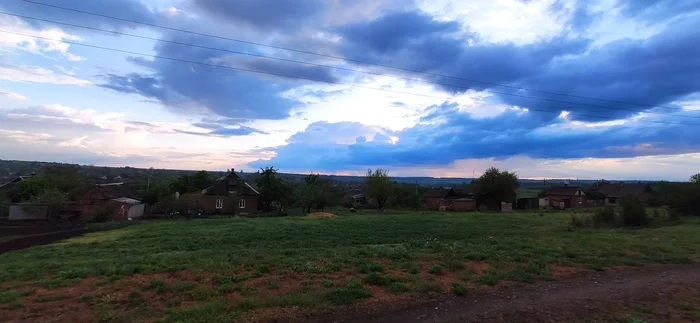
(17, 213)
(136, 211)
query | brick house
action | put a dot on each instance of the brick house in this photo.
(115, 198)
(450, 200)
(434, 197)
(566, 197)
(613, 192)
(229, 195)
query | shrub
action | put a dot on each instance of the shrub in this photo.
(157, 284)
(604, 216)
(673, 215)
(376, 279)
(398, 288)
(370, 267)
(633, 213)
(425, 288)
(581, 221)
(459, 288)
(350, 293)
(435, 269)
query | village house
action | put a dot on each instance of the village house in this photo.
(614, 192)
(447, 199)
(113, 198)
(566, 197)
(229, 195)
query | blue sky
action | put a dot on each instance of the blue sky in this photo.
(552, 88)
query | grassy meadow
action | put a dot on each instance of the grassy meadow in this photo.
(218, 270)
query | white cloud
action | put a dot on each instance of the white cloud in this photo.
(54, 41)
(13, 96)
(36, 74)
(499, 20)
(24, 137)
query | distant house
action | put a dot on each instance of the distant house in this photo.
(229, 195)
(613, 192)
(115, 198)
(447, 199)
(358, 199)
(565, 197)
(433, 197)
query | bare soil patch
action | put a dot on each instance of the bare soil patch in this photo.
(654, 294)
(322, 215)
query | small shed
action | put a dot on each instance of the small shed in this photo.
(528, 203)
(128, 208)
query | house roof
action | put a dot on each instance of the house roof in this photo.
(563, 190)
(223, 186)
(622, 189)
(15, 180)
(127, 200)
(439, 193)
(114, 190)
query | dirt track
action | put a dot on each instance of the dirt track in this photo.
(655, 294)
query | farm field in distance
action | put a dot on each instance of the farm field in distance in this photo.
(254, 269)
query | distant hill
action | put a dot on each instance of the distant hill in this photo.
(13, 168)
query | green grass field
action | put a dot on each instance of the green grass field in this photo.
(215, 270)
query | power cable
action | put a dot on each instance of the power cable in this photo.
(302, 77)
(337, 67)
(339, 57)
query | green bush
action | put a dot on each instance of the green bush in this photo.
(673, 215)
(435, 269)
(459, 289)
(604, 216)
(352, 291)
(376, 279)
(633, 213)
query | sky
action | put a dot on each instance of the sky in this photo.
(545, 88)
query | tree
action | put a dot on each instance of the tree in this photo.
(192, 183)
(695, 178)
(65, 178)
(308, 192)
(379, 186)
(52, 199)
(271, 188)
(497, 185)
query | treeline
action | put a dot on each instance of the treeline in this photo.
(683, 198)
(315, 192)
(57, 184)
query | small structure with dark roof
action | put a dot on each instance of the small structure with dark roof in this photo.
(613, 192)
(447, 199)
(565, 197)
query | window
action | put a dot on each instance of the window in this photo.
(219, 203)
(580, 200)
(612, 200)
(241, 203)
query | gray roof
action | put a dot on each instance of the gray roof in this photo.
(563, 190)
(622, 189)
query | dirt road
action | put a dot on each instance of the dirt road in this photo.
(653, 294)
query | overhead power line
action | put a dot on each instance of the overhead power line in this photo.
(303, 77)
(333, 67)
(338, 57)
